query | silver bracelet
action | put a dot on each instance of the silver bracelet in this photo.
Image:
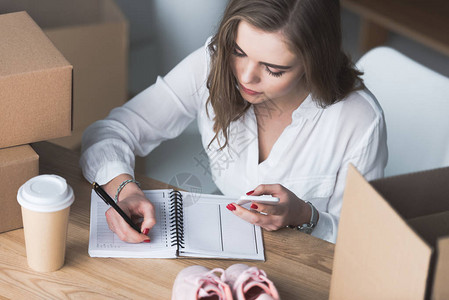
(308, 227)
(122, 185)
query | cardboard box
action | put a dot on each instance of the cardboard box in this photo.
(93, 37)
(17, 165)
(72, 142)
(393, 238)
(35, 84)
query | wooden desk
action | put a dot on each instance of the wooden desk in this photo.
(425, 21)
(299, 265)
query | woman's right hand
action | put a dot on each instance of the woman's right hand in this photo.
(133, 203)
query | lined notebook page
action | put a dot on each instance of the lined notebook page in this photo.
(104, 243)
(212, 230)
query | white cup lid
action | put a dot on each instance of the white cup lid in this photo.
(45, 193)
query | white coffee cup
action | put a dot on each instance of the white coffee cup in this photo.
(45, 201)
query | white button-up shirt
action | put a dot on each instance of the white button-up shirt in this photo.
(310, 158)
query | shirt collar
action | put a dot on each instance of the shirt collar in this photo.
(308, 109)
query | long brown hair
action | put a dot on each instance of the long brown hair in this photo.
(312, 28)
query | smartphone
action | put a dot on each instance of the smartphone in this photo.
(264, 199)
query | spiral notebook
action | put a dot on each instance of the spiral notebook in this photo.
(188, 225)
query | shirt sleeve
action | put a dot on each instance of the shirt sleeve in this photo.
(370, 158)
(160, 112)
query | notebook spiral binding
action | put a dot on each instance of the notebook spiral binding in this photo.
(176, 220)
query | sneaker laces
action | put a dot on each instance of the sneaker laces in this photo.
(253, 274)
(208, 279)
(250, 278)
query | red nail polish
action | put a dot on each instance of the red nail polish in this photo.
(231, 207)
(250, 192)
(145, 231)
(254, 206)
(147, 241)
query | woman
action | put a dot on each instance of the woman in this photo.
(280, 109)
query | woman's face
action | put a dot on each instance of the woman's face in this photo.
(265, 68)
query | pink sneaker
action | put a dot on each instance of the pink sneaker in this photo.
(250, 283)
(198, 282)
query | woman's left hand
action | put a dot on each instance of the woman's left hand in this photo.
(289, 211)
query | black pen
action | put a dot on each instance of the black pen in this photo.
(108, 200)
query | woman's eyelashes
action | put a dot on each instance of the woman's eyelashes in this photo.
(274, 74)
(238, 53)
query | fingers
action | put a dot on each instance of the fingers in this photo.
(267, 222)
(275, 190)
(135, 208)
(267, 216)
(267, 189)
(119, 226)
(267, 208)
(149, 219)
